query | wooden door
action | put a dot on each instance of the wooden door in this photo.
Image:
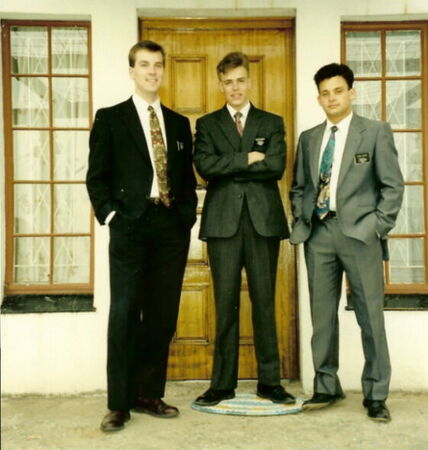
(194, 47)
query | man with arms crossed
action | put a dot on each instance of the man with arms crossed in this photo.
(346, 194)
(141, 182)
(240, 151)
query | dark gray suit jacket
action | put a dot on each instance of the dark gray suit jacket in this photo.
(370, 185)
(221, 158)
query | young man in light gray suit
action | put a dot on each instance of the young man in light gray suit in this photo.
(240, 151)
(346, 194)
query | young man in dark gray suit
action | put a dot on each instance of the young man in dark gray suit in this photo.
(240, 151)
(346, 194)
(140, 181)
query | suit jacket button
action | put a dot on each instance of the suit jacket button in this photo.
(239, 195)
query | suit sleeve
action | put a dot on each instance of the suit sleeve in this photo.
(298, 184)
(100, 168)
(273, 166)
(189, 192)
(389, 178)
(209, 163)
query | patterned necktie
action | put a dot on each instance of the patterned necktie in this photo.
(238, 123)
(159, 153)
(323, 201)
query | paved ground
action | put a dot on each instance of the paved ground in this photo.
(59, 422)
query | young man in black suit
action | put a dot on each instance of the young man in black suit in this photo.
(140, 181)
(240, 151)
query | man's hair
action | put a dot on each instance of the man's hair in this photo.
(144, 45)
(232, 61)
(334, 70)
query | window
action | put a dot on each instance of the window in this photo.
(47, 87)
(390, 62)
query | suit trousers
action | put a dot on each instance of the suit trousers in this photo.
(329, 253)
(227, 257)
(146, 274)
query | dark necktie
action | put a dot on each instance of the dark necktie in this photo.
(159, 153)
(323, 200)
(238, 123)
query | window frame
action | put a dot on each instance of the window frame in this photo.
(410, 289)
(12, 289)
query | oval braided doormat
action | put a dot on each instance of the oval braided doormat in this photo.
(250, 405)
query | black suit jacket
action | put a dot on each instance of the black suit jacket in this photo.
(221, 157)
(120, 172)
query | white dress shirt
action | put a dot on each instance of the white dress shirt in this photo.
(340, 141)
(144, 115)
(244, 111)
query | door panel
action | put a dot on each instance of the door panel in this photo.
(194, 47)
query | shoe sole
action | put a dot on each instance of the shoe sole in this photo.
(280, 402)
(160, 416)
(315, 406)
(379, 419)
(111, 430)
(229, 397)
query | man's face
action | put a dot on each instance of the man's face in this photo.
(235, 85)
(147, 73)
(335, 98)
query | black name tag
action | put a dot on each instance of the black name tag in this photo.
(362, 158)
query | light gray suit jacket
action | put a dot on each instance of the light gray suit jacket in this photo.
(370, 185)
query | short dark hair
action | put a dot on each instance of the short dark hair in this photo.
(232, 61)
(145, 45)
(334, 70)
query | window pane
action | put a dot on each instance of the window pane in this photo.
(32, 208)
(411, 216)
(29, 50)
(367, 102)
(72, 211)
(363, 53)
(406, 264)
(403, 53)
(70, 102)
(409, 146)
(30, 102)
(403, 104)
(70, 50)
(71, 260)
(31, 155)
(70, 155)
(31, 260)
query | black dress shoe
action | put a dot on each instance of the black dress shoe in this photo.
(377, 410)
(322, 400)
(114, 420)
(214, 396)
(277, 394)
(155, 407)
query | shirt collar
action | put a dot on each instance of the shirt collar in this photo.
(342, 125)
(244, 111)
(142, 105)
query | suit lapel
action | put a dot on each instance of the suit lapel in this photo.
(314, 151)
(171, 135)
(228, 127)
(250, 129)
(132, 123)
(353, 140)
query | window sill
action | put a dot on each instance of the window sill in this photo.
(400, 302)
(27, 304)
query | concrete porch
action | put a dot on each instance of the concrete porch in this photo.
(72, 422)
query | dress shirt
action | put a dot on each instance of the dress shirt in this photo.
(144, 116)
(243, 111)
(340, 141)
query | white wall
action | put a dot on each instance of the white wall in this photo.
(50, 353)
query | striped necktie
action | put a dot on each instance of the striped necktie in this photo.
(323, 201)
(238, 123)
